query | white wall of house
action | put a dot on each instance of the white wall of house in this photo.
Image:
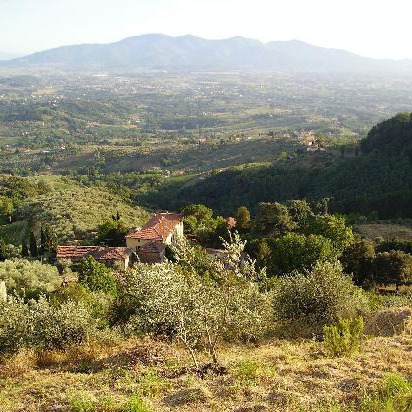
(175, 235)
(135, 243)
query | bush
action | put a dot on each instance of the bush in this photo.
(29, 278)
(61, 326)
(343, 338)
(318, 297)
(41, 325)
(394, 394)
(390, 322)
(16, 320)
(173, 300)
(96, 276)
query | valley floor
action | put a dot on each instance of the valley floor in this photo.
(144, 375)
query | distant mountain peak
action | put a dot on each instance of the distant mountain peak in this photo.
(158, 51)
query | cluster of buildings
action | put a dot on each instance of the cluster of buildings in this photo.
(146, 244)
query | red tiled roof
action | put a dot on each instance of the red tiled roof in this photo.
(76, 253)
(160, 226)
(230, 222)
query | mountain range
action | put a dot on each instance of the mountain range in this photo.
(189, 53)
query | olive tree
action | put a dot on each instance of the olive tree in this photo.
(173, 299)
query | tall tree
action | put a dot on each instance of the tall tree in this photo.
(24, 249)
(7, 208)
(242, 217)
(33, 245)
(49, 239)
(274, 219)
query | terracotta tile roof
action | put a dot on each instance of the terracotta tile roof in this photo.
(77, 253)
(160, 226)
(230, 222)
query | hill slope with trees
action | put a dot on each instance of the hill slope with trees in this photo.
(379, 176)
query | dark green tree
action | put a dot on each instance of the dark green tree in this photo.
(24, 249)
(96, 276)
(393, 268)
(300, 212)
(3, 250)
(34, 252)
(111, 233)
(242, 216)
(49, 240)
(357, 259)
(295, 251)
(200, 212)
(273, 219)
(332, 227)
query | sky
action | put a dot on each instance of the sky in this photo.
(372, 28)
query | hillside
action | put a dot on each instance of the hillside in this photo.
(276, 376)
(74, 210)
(160, 52)
(375, 179)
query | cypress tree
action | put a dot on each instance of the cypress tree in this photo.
(33, 245)
(42, 241)
(24, 249)
(49, 239)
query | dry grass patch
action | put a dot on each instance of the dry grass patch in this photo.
(276, 376)
(390, 322)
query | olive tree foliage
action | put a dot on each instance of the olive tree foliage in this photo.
(3, 291)
(29, 278)
(38, 324)
(173, 299)
(318, 297)
(332, 227)
(295, 251)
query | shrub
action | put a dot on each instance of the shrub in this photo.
(173, 300)
(57, 327)
(41, 325)
(96, 276)
(29, 278)
(318, 297)
(16, 320)
(82, 402)
(394, 394)
(343, 338)
(135, 404)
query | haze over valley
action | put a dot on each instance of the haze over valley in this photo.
(217, 218)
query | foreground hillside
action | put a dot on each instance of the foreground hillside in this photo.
(274, 376)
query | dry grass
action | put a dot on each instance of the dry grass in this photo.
(385, 230)
(277, 376)
(393, 321)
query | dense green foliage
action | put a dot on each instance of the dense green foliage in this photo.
(38, 324)
(27, 278)
(96, 276)
(344, 338)
(372, 181)
(319, 297)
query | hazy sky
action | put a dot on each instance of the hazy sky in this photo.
(376, 28)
